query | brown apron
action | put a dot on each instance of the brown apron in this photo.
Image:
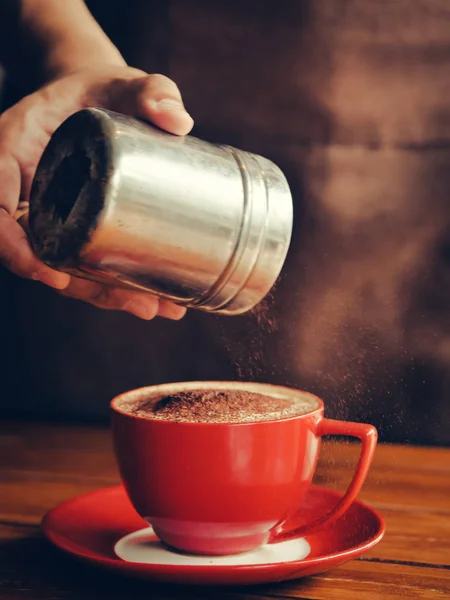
(351, 99)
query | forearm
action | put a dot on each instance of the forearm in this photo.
(61, 36)
(70, 37)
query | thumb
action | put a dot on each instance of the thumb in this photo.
(159, 101)
(155, 98)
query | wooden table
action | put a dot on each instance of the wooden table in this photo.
(42, 465)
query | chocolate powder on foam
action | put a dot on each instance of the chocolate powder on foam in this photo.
(219, 407)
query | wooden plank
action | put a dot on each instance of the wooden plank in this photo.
(360, 580)
(27, 501)
(86, 454)
(30, 567)
(414, 536)
(59, 447)
(394, 479)
(41, 466)
(411, 536)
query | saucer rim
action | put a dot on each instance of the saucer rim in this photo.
(189, 573)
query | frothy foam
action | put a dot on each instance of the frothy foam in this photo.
(219, 406)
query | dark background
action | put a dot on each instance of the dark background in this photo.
(351, 99)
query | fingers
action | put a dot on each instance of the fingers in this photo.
(141, 305)
(145, 307)
(154, 98)
(17, 255)
(171, 311)
(23, 135)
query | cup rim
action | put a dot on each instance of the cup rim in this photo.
(266, 389)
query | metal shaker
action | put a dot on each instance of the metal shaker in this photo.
(118, 201)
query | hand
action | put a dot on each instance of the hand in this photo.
(25, 130)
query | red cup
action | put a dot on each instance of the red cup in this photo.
(226, 488)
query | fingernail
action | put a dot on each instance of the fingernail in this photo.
(172, 312)
(169, 104)
(141, 309)
(58, 281)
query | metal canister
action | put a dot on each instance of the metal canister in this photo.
(118, 201)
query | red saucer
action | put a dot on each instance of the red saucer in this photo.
(90, 525)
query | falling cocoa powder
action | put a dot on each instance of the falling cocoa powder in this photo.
(247, 338)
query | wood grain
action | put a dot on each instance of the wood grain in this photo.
(42, 465)
(28, 565)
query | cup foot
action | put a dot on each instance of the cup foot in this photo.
(211, 539)
(212, 546)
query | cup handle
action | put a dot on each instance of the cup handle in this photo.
(368, 436)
